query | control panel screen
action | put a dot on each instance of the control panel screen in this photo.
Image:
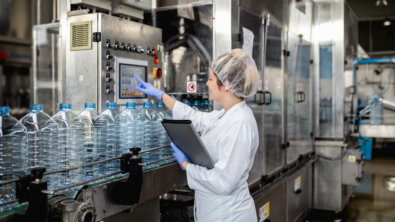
(127, 82)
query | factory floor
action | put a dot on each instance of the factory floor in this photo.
(371, 202)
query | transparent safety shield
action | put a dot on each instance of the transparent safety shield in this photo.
(326, 91)
(46, 81)
(299, 110)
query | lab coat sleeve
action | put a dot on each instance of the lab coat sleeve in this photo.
(200, 120)
(235, 153)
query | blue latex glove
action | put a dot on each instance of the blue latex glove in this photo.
(179, 155)
(149, 89)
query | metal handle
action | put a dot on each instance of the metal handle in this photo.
(300, 97)
(260, 103)
(298, 191)
(270, 97)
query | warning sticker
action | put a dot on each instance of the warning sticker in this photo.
(266, 84)
(191, 87)
(157, 83)
(264, 212)
(351, 158)
(297, 183)
(260, 85)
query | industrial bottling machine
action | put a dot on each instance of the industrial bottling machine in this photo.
(98, 47)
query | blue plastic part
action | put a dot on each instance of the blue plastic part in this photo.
(196, 102)
(130, 105)
(367, 147)
(206, 102)
(65, 106)
(186, 102)
(34, 108)
(90, 105)
(4, 110)
(147, 105)
(160, 104)
(111, 106)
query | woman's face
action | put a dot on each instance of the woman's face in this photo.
(216, 91)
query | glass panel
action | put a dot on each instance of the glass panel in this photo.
(187, 34)
(299, 99)
(46, 79)
(273, 78)
(253, 23)
(326, 91)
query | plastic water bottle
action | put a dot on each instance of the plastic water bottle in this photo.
(206, 107)
(186, 102)
(64, 119)
(111, 150)
(87, 117)
(164, 139)
(111, 110)
(13, 154)
(151, 136)
(377, 112)
(104, 145)
(129, 127)
(42, 142)
(196, 105)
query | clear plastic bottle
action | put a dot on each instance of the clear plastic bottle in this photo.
(150, 132)
(86, 121)
(104, 145)
(13, 154)
(42, 142)
(64, 119)
(377, 112)
(196, 105)
(206, 107)
(112, 112)
(164, 139)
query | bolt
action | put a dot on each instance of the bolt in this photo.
(104, 211)
(94, 190)
(105, 187)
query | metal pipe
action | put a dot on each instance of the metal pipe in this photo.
(157, 148)
(156, 161)
(9, 202)
(87, 181)
(9, 181)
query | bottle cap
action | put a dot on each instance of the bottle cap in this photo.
(90, 105)
(147, 105)
(186, 102)
(196, 102)
(160, 104)
(4, 110)
(34, 108)
(64, 106)
(206, 102)
(130, 105)
(111, 105)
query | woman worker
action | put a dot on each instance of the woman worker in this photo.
(230, 136)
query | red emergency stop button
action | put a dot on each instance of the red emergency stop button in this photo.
(3, 55)
(155, 53)
(157, 73)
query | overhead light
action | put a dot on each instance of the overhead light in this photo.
(387, 22)
(379, 2)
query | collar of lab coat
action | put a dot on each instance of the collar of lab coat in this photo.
(233, 109)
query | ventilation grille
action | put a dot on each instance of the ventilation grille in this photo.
(81, 36)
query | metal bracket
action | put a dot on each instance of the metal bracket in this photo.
(127, 192)
(96, 37)
(32, 188)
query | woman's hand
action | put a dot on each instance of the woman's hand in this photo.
(180, 156)
(149, 89)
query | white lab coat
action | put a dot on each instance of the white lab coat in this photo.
(221, 193)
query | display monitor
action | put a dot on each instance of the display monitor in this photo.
(128, 82)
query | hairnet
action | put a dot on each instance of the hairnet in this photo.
(238, 72)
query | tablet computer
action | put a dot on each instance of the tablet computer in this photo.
(184, 136)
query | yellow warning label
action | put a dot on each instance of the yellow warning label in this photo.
(351, 158)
